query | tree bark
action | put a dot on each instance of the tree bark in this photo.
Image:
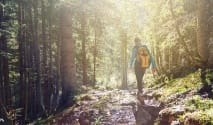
(210, 60)
(95, 55)
(68, 66)
(4, 56)
(2, 96)
(202, 30)
(84, 58)
(44, 53)
(124, 59)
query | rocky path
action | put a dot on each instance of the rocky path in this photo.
(106, 107)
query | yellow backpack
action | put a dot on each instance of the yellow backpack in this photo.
(143, 57)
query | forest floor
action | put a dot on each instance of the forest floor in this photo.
(175, 102)
(100, 107)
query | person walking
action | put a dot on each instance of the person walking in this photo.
(142, 59)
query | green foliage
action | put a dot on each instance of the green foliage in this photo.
(180, 85)
(201, 117)
(198, 109)
(209, 76)
(199, 103)
(162, 33)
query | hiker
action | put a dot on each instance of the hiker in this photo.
(142, 58)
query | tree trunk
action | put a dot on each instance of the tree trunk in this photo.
(5, 66)
(50, 73)
(44, 53)
(124, 59)
(2, 91)
(38, 94)
(1, 79)
(84, 58)
(94, 56)
(210, 60)
(210, 24)
(58, 73)
(22, 55)
(68, 66)
(202, 31)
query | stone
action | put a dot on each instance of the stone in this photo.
(175, 123)
(167, 115)
(147, 111)
(84, 118)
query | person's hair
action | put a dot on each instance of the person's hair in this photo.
(137, 39)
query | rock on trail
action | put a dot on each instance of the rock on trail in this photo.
(109, 107)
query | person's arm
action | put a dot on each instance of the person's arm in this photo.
(151, 59)
(153, 62)
(132, 58)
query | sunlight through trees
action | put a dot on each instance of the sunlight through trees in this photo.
(51, 50)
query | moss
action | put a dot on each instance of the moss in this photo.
(201, 111)
(180, 85)
(199, 103)
(198, 117)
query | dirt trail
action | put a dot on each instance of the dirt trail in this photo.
(101, 107)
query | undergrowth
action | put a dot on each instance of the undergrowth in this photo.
(180, 85)
(198, 109)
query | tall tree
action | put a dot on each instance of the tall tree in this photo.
(68, 67)
(4, 55)
(203, 30)
(38, 89)
(83, 38)
(95, 52)
(124, 58)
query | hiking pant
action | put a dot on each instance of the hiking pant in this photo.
(139, 72)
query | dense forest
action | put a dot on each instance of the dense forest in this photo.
(54, 50)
